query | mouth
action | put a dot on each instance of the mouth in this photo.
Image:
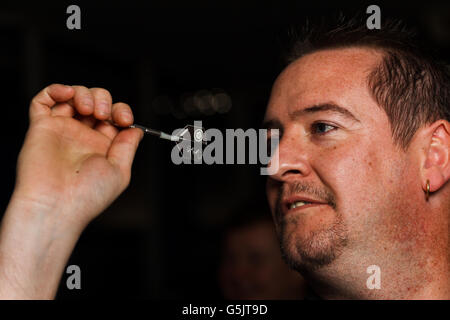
(297, 203)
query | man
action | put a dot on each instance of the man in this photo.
(251, 266)
(362, 180)
(364, 165)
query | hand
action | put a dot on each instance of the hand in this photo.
(72, 165)
(74, 162)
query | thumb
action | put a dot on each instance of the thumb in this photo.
(123, 148)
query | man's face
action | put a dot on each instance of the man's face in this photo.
(342, 187)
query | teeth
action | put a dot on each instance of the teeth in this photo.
(298, 204)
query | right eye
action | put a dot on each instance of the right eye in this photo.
(322, 128)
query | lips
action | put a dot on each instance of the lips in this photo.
(296, 203)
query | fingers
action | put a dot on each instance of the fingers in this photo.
(87, 105)
(83, 100)
(122, 114)
(122, 150)
(43, 102)
(92, 104)
(103, 103)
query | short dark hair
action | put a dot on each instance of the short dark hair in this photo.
(411, 84)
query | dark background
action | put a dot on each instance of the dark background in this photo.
(160, 239)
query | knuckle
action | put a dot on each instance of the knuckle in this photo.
(101, 92)
(34, 101)
(79, 88)
(52, 86)
(82, 92)
(122, 106)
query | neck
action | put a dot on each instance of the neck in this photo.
(415, 270)
(396, 283)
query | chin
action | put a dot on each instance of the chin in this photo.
(311, 249)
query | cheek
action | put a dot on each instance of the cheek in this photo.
(354, 173)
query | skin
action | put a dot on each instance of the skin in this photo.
(252, 267)
(374, 210)
(73, 164)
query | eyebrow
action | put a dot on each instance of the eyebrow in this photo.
(275, 123)
(324, 107)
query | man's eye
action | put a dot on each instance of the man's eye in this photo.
(321, 128)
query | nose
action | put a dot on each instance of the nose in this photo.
(293, 158)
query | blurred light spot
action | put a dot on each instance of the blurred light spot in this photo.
(202, 101)
(187, 103)
(221, 102)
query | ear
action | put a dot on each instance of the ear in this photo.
(436, 165)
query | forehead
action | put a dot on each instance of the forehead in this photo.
(337, 75)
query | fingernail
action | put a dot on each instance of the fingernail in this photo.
(127, 116)
(103, 108)
(88, 103)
